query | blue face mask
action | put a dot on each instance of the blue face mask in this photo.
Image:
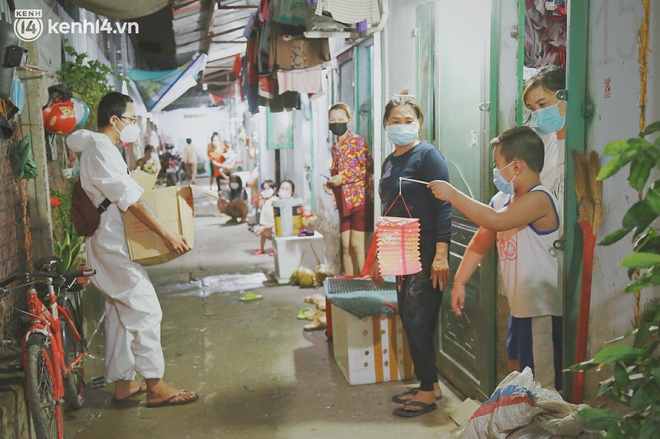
(500, 182)
(402, 134)
(548, 118)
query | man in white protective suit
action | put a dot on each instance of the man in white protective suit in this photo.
(133, 313)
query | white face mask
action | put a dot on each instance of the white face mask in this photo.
(284, 194)
(130, 133)
(234, 185)
(154, 155)
(267, 193)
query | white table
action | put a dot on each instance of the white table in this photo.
(291, 250)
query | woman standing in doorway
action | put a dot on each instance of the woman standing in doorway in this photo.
(352, 183)
(420, 294)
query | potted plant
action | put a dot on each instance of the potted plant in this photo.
(635, 379)
(69, 251)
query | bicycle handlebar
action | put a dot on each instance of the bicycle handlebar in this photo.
(87, 272)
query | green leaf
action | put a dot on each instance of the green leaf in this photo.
(652, 314)
(621, 376)
(611, 168)
(641, 334)
(640, 260)
(656, 374)
(639, 216)
(651, 277)
(643, 397)
(615, 236)
(598, 419)
(654, 127)
(585, 365)
(640, 169)
(616, 147)
(612, 354)
(648, 242)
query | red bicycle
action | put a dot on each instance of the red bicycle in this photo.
(53, 346)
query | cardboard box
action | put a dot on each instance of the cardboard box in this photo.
(370, 350)
(174, 207)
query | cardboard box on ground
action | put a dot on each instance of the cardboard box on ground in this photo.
(372, 349)
(173, 206)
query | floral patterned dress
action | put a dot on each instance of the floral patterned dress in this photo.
(353, 161)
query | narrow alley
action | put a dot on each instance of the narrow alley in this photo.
(259, 374)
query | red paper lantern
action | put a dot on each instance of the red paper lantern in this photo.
(59, 118)
(398, 245)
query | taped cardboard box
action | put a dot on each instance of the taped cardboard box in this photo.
(370, 350)
(173, 206)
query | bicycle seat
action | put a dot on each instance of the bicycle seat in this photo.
(50, 264)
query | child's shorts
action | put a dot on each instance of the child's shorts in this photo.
(537, 342)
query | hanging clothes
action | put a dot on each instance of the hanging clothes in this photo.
(351, 11)
(302, 81)
(296, 52)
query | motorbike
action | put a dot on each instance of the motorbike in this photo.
(172, 170)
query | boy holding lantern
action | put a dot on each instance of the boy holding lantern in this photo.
(523, 221)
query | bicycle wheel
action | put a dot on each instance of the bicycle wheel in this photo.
(40, 389)
(74, 383)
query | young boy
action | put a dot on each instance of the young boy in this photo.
(523, 220)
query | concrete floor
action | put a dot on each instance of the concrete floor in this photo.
(259, 374)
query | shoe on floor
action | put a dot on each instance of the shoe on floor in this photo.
(232, 221)
(251, 296)
(259, 252)
(271, 253)
(142, 389)
(424, 408)
(412, 392)
(170, 401)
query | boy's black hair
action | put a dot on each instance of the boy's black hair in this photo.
(270, 183)
(551, 78)
(188, 141)
(112, 104)
(521, 143)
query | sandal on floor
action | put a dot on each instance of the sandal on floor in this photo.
(399, 400)
(170, 401)
(424, 408)
(142, 389)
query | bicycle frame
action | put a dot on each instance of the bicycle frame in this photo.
(47, 322)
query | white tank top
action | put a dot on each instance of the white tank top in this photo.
(529, 269)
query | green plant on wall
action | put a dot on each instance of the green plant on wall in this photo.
(86, 78)
(635, 378)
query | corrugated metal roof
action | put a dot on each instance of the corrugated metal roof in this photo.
(215, 27)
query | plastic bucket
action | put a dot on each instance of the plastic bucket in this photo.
(288, 216)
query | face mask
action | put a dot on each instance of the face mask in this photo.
(284, 194)
(338, 129)
(267, 193)
(154, 155)
(548, 118)
(234, 185)
(500, 182)
(130, 133)
(402, 134)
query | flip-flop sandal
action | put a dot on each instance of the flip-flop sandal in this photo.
(303, 313)
(169, 401)
(399, 400)
(142, 389)
(424, 408)
(251, 296)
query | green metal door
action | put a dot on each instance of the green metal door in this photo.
(460, 59)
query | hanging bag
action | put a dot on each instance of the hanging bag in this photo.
(85, 216)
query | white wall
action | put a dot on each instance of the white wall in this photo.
(195, 123)
(613, 55)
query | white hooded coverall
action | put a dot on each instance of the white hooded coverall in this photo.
(133, 313)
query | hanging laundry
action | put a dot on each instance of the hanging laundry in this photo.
(351, 11)
(290, 11)
(298, 52)
(302, 81)
(545, 33)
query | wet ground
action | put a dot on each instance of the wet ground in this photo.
(259, 374)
